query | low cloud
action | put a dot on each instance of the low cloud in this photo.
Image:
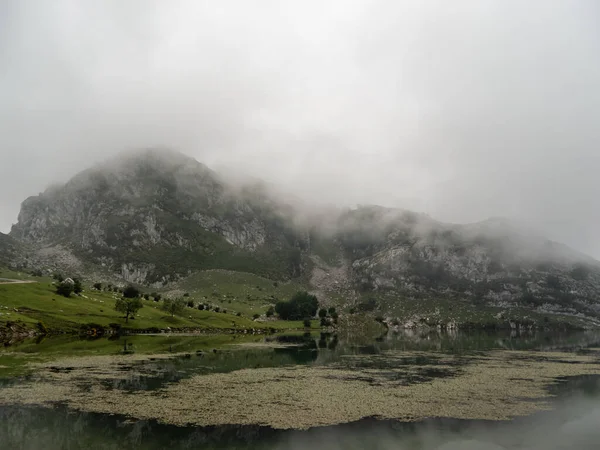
(462, 111)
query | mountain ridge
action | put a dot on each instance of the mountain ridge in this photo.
(154, 217)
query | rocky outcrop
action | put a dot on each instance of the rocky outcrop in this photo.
(154, 216)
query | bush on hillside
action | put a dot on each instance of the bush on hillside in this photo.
(77, 287)
(64, 288)
(131, 292)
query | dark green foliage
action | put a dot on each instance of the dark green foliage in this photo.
(201, 307)
(190, 303)
(128, 306)
(98, 286)
(146, 297)
(64, 289)
(77, 287)
(58, 277)
(324, 321)
(255, 316)
(322, 313)
(306, 323)
(301, 305)
(37, 273)
(239, 314)
(379, 319)
(217, 309)
(331, 310)
(334, 315)
(173, 306)
(270, 312)
(131, 292)
(187, 294)
(352, 310)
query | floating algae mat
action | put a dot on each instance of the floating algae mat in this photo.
(392, 384)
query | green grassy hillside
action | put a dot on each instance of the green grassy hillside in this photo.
(241, 292)
(37, 302)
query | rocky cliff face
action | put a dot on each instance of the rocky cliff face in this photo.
(155, 216)
(404, 256)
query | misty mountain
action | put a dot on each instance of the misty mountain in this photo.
(156, 216)
(153, 216)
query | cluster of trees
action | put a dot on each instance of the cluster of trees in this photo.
(67, 286)
(301, 306)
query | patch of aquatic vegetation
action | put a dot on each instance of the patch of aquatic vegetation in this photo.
(494, 386)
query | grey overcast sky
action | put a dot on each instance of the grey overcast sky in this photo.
(460, 109)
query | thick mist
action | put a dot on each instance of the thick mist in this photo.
(459, 110)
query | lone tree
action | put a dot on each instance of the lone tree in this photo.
(301, 306)
(131, 292)
(173, 306)
(128, 306)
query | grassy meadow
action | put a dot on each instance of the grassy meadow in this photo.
(36, 302)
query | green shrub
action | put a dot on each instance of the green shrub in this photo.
(77, 287)
(301, 305)
(306, 323)
(64, 289)
(131, 292)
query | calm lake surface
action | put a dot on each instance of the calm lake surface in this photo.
(319, 391)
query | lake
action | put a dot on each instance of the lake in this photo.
(404, 390)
